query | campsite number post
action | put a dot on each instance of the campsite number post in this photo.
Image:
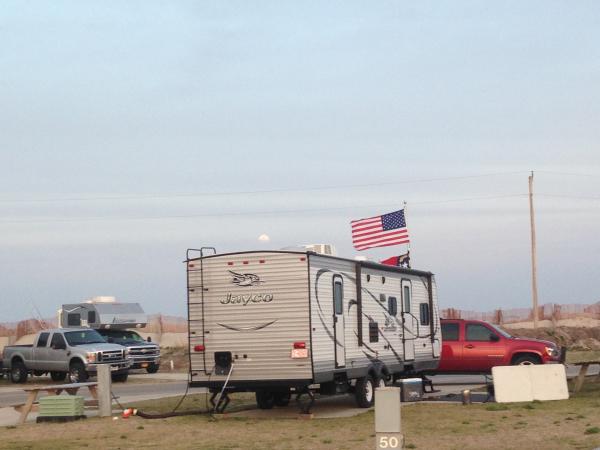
(388, 427)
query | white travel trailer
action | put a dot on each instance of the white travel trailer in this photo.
(283, 322)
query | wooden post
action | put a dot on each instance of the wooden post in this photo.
(534, 291)
(104, 388)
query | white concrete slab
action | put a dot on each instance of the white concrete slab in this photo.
(528, 383)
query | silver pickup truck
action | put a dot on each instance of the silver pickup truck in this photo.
(62, 352)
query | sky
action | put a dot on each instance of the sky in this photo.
(131, 131)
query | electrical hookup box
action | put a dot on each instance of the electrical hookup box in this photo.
(411, 389)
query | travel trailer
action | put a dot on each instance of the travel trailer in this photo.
(279, 323)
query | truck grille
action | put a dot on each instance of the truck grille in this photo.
(112, 355)
(138, 352)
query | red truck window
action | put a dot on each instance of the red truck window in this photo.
(449, 332)
(476, 332)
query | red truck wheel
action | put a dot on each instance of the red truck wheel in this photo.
(526, 360)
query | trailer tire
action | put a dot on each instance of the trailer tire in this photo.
(120, 377)
(265, 399)
(282, 399)
(58, 376)
(18, 372)
(77, 372)
(365, 392)
(152, 368)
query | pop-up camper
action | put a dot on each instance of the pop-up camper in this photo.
(283, 322)
(103, 313)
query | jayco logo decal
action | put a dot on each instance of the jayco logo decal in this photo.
(245, 279)
(244, 299)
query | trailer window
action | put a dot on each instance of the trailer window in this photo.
(74, 320)
(373, 332)
(424, 313)
(406, 298)
(43, 340)
(91, 316)
(338, 295)
(449, 332)
(392, 306)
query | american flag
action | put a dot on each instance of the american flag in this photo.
(380, 231)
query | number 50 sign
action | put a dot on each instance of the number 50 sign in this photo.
(389, 440)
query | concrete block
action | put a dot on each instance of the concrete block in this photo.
(387, 410)
(528, 383)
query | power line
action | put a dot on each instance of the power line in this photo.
(570, 174)
(253, 213)
(575, 197)
(255, 192)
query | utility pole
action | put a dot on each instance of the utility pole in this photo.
(534, 291)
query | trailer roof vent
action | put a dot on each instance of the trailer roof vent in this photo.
(323, 249)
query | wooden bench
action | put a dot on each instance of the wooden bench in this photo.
(584, 365)
(56, 389)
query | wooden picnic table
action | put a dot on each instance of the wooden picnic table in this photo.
(55, 389)
(582, 373)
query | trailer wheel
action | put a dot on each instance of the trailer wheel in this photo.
(265, 399)
(58, 376)
(282, 399)
(18, 372)
(77, 372)
(365, 392)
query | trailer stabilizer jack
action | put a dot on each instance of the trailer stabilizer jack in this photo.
(220, 405)
(305, 406)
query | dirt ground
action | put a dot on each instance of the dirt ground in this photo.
(573, 423)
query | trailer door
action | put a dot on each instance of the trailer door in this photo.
(408, 322)
(338, 321)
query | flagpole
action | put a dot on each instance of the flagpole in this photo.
(534, 290)
(408, 244)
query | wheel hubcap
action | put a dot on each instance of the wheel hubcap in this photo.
(369, 391)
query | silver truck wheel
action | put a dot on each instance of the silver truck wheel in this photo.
(77, 373)
(18, 372)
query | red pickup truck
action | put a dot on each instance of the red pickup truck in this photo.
(474, 346)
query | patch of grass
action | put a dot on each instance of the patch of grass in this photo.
(593, 430)
(497, 407)
(410, 446)
(528, 406)
(326, 441)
